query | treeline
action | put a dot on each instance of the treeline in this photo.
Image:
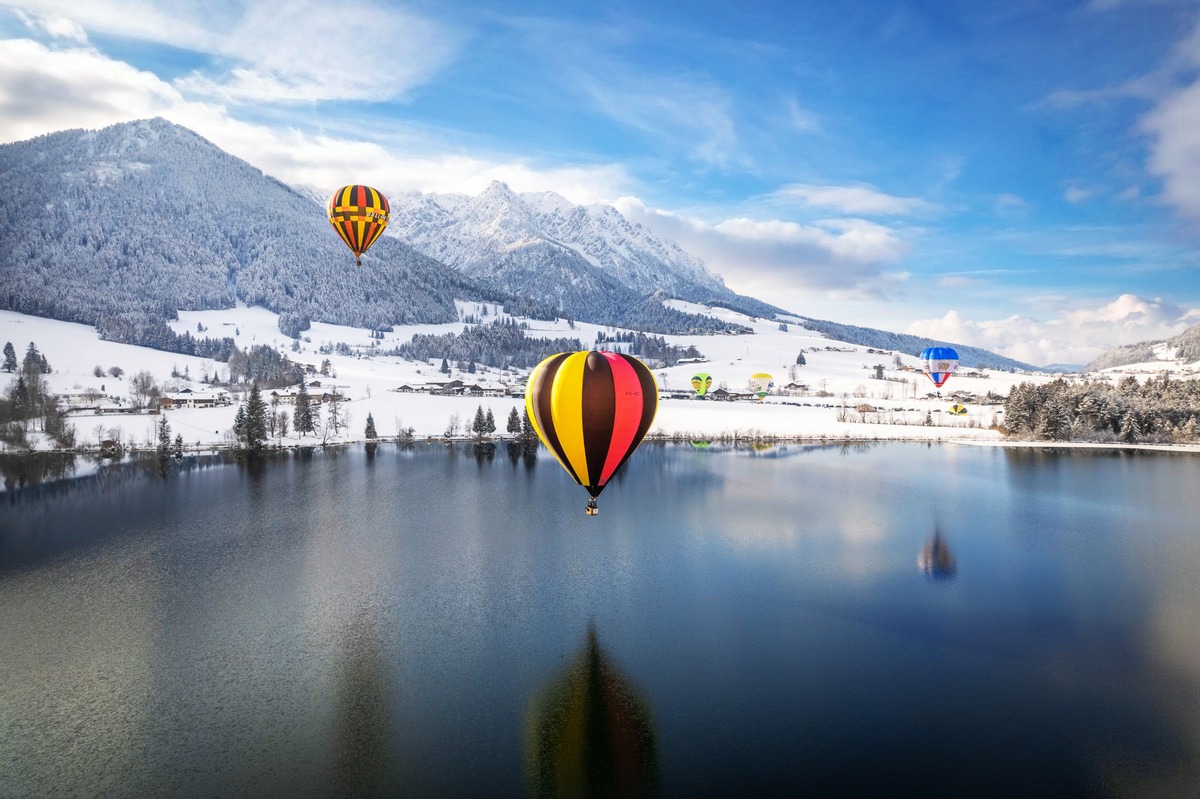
(152, 331)
(646, 347)
(501, 344)
(1160, 410)
(27, 403)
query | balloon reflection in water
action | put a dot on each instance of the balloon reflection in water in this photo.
(935, 558)
(588, 734)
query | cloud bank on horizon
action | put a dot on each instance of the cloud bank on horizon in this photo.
(974, 175)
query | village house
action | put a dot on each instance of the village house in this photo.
(188, 398)
(316, 394)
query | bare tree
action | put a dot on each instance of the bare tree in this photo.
(142, 388)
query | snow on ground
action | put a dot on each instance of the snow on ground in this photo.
(844, 372)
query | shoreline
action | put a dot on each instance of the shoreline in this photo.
(732, 440)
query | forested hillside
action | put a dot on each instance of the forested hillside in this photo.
(147, 218)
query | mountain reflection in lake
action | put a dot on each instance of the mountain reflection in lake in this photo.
(385, 622)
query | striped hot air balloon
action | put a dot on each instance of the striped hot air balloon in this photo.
(591, 409)
(939, 363)
(958, 410)
(358, 214)
(701, 383)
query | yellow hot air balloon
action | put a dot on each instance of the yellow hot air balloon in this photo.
(958, 410)
(358, 214)
(591, 409)
(761, 383)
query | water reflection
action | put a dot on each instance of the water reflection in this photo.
(935, 558)
(362, 731)
(589, 734)
(26, 471)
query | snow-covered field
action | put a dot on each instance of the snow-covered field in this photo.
(843, 372)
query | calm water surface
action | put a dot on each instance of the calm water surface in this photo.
(426, 623)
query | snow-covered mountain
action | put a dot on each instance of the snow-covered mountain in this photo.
(1178, 351)
(509, 238)
(143, 219)
(125, 226)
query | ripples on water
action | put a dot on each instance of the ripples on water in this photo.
(444, 621)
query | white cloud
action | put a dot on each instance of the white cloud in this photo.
(1173, 127)
(44, 90)
(853, 199)
(1075, 337)
(58, 27)
(304, 51)
(780, 261)
(1074, 194)
(298, 51)
(1009, 204)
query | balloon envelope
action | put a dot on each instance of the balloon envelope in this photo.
(761, 383)
(591, 409)
(359, 214)
(701, 383)
(939, 363)
(958, 410)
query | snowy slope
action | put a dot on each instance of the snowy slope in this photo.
(842, 371)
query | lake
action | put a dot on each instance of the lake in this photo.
(892, 619)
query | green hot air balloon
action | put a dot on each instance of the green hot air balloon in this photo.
(701, 383)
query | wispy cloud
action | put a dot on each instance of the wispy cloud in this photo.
(684, 110)
(269, 52)
(1075, 336)
(44, 89)
(304, 51)
(852, 199)
(56, 27)
(776, 259)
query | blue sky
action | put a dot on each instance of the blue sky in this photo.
(1023, 177)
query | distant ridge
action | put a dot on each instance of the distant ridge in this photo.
(903, 342)
(1181, 349)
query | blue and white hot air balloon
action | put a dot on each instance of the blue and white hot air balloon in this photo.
(939, 363)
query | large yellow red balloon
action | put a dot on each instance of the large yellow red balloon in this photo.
(358, 214)
(591, 409)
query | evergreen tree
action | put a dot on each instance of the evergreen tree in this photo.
(33, 360)
(239, 423)
(1190, 430)
(370, 431)
(10, 357)
(256, 420)
(303, 419)
(445, 367)
(164, 436)
(527, 431)
(489, 422)
(178, 452)
(471, 367)
(479, 425)
(800, 360)
(514, 421)
(282, 423)
(1131, 429)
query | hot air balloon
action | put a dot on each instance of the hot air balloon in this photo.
(591, 409)
(939, 363)
(958, 410)
(760, 384)
(701, 383)
(358, 214)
